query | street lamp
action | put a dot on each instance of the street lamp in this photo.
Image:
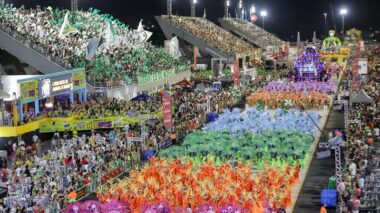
(343, 12)
(263, 14)
(226, 6)
(193, 2)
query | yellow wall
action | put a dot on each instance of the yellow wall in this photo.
(13, 131)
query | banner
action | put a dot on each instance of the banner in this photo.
(29, 90)
(147, 78)
(66, 28)
(236, 73)
(172, 46)
(166, 109)
(87, 124)
(355, 85)
(92, 46)
(363, 67)
(355, 68)
(79, 80)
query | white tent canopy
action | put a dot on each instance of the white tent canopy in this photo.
(362, 97)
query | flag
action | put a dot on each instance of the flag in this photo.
(66, 28)
(109, 35)
(15, 115)
(140, 36)
(172, 46)
(92, 46)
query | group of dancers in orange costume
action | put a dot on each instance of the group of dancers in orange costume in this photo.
(274, 100)
(180, 183)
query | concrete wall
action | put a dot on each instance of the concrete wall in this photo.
(28, 55)
(131, 91)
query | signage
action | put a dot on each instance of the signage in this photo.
(79, 80)
(29, 90)
(167, 109)
(81, 192)
(60, 85)
(155, 76)
(236, 73)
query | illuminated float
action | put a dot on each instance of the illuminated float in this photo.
(308, 66)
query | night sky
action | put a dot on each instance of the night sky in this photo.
(285, 17)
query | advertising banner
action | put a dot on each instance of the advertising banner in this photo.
(29, 90)
(166, 109)
(355, 68)
(154, 76)
(79, 80)
(363, 67)
(87, 124)
(236, 73)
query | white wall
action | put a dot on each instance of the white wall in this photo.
(10, 84)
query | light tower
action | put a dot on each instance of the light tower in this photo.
(226, 6)
(343, 12)
(74, 5)
(325, 15)
(263, 14)
(240, 10)
(169, 7)
(252, 10)
(192, 3)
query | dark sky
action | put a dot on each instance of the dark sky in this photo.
(285, 17)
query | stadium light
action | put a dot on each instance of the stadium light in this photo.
(325, 15)
(343, 12)
(192, 3)
(240, 10)
(253, 9)
(226, 8)
(263, 14)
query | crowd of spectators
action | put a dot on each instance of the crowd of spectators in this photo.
(360, 187)
(211, 34)
(41, 181)
(120, 56)
(190, 107)
(255, 32)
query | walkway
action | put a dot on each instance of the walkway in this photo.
(320, 170)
